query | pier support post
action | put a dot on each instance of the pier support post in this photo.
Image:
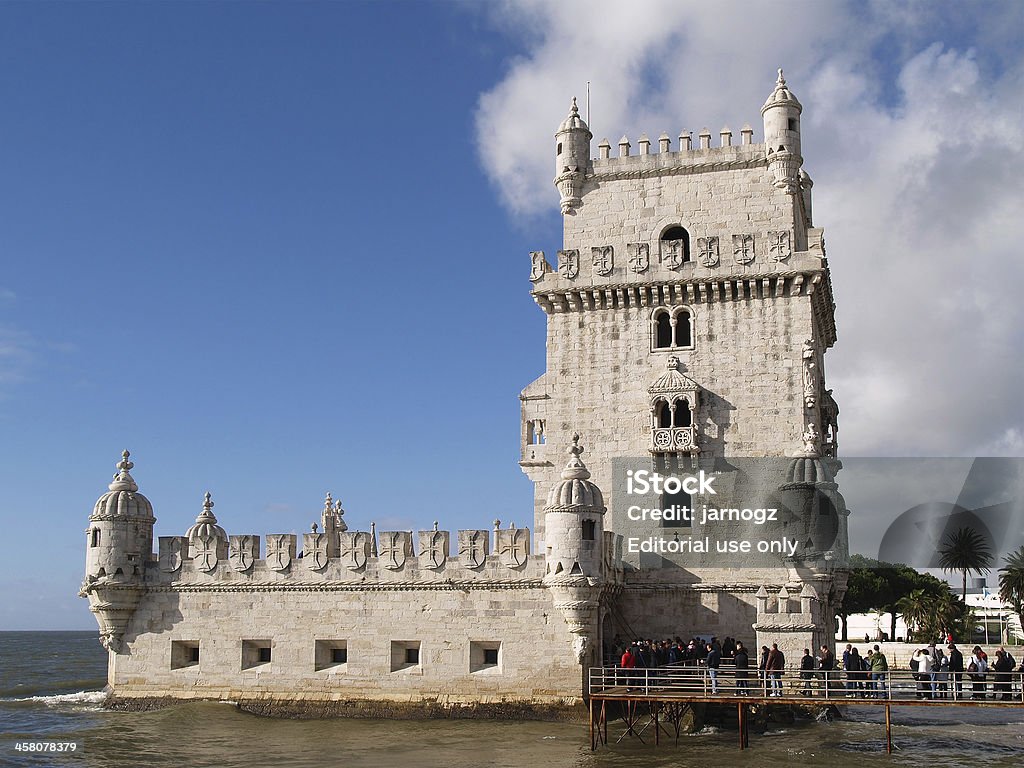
(888, 729)
(741, 712)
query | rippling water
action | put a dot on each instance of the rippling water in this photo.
(50, 689)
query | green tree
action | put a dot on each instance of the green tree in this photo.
(914, 609)
(933, 609)
(965, 551)
(863, 587)
(1011, 581)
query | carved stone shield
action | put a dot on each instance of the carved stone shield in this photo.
(172, 551)
(743, 248)
(204, 552)
(538, 265)
(569, 264)
(354, 547)
(433, 549)
(395, 547)
(473, 547)
(603, 259)
(707, 251)
(514, 546)
(779, 247)
(314, 551)
(672, 253)
(280, 550)
(639, 256)
(243, 552)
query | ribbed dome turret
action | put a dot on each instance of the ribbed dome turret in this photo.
(782, 96)
(123, 500)
(206, 524)
(573, 121)
(575, 492)
(809, 470)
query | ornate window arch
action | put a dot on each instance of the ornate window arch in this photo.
(671, 329)
(674, 403)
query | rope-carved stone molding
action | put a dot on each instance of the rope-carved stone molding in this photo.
(787, 627)
(703, 587)
(742, 163)
(285, 586)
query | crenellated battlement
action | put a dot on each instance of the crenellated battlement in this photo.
(690, 156)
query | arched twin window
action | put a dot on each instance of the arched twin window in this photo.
(672, 329)
(674, 414)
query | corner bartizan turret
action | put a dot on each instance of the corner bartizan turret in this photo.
(573, 525)
(119, 543)
(781, 115)
(572, 155)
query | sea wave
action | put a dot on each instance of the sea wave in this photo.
(81, 697)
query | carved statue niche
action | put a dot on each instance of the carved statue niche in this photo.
(810, 374)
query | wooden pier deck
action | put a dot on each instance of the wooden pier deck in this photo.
(658, 699)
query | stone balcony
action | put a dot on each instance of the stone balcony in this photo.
(674, 440)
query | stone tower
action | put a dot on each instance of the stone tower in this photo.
(689, 311)
(573, 558)
(119, 544)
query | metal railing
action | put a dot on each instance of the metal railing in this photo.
(832, 685)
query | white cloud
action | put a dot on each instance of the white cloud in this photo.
(916, 156)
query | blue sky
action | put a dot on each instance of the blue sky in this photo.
(280, 249)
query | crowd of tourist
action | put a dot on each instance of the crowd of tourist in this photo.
(938, 673)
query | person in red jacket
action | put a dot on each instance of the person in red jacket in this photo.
(628, 662)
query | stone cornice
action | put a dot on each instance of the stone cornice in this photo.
(343, 586)
(703, 586)
(814, 283)
(615, 169)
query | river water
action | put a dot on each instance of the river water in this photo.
(51, 688)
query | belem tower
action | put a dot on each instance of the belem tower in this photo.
(688, 316)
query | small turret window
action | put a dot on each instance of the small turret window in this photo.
(559, 149)
(792, 123)
(589, 530)
(94, 540)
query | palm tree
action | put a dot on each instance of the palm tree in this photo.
(1011, 580)
(965, 551)
(914, 609)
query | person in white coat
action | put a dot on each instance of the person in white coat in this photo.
(925, 664)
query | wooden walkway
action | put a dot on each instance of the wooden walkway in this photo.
(653, 701)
